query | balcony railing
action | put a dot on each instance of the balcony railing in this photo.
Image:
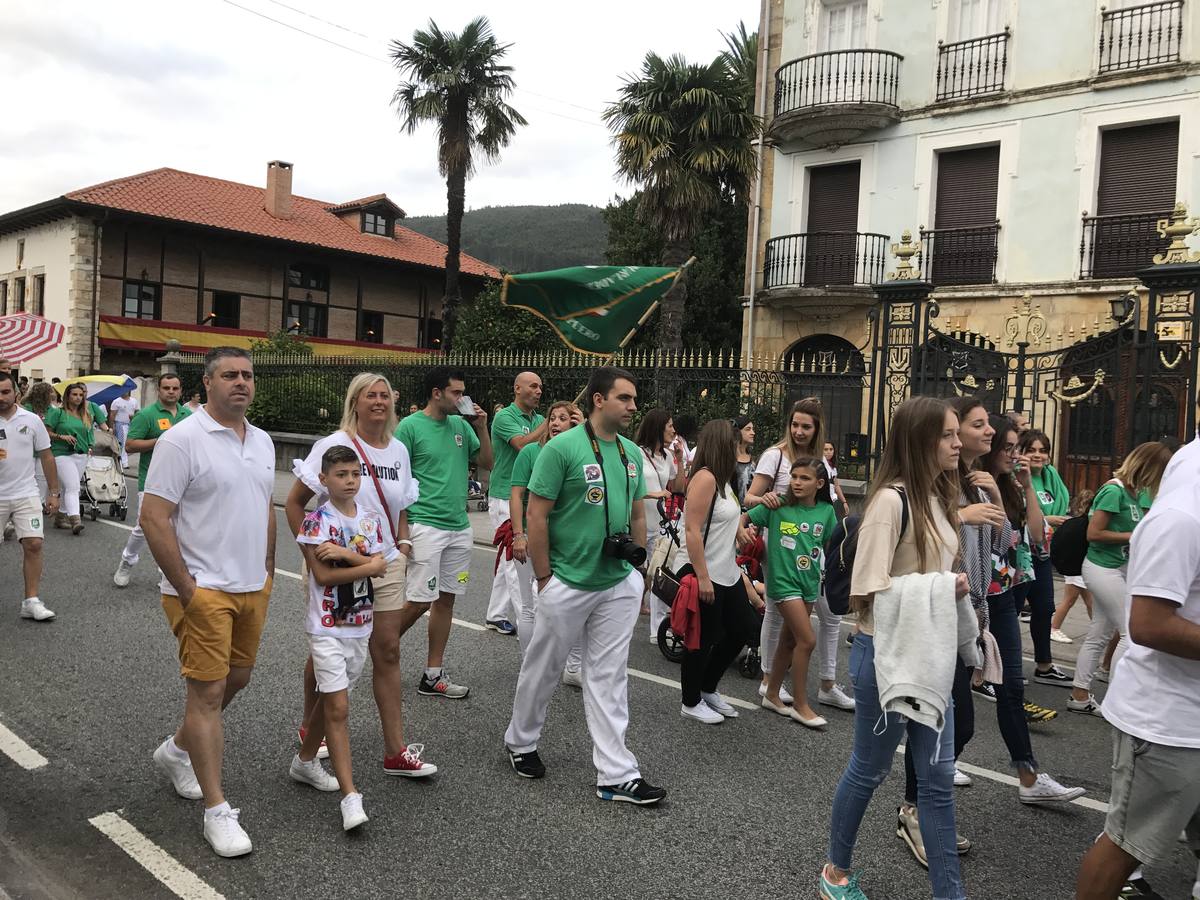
(972, 68)
(819, 258)
(1140, 36)
(1117, 246)
(841, 76)
(960, 255)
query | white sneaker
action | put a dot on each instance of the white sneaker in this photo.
(225, 835)
(573, 677)
(183, 778)
(835, 696)
(1102, 674)
(33, 608)
(719, 704)
(1090, 706)
(785, 696)
(352, 812)
(702, 712)
(1059, 636)
(121, 576)
(961, 778)
(312, 773)
(1047, 790)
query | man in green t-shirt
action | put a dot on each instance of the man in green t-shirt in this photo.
(146, 427)
(515, 427)
(585, 489)
(441, 445)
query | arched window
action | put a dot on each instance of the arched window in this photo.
(833, 370)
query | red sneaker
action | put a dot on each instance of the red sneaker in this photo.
(408, 764)
(322, 751)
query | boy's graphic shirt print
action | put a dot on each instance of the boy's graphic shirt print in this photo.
(362, 533)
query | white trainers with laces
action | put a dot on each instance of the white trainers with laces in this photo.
(352, 812)
(1090, 706)
(702, 712)
(33, 608)
(573, 677)
(225, 835)
(961, 778)
(121, 576)
(1047, 790)
(719, 704)
(183, 778)
(312, 773)
(836, 697)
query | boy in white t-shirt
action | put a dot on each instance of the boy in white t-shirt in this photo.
(344, 551)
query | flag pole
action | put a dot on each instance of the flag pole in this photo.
(634, 330)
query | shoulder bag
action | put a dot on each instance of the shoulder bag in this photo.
(664, 583)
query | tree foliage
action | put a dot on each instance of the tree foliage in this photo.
(281, 342)
(457, 83)
(487, 325)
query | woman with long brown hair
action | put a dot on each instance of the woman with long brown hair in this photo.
(709, 551)
(804, 436)
(920, 459)
(72, 434)
(663, 470)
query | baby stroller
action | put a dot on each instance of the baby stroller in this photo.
(103, 483)
(476, 495)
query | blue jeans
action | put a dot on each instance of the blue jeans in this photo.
(870, 762)
(1010, 696)
(1040, 594)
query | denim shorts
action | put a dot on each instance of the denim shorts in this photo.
(1155, 796)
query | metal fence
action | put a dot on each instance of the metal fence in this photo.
(304, 394)
(839, 76)
(960, 255)
(1140, 36)
(1117, 246)
(825, 257)
(972, 68)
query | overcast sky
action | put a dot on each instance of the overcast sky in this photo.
(104, 90)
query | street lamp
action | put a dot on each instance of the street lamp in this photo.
(1122, 308)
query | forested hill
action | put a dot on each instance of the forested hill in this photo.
(527, 238)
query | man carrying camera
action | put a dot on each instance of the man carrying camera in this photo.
(587, 536)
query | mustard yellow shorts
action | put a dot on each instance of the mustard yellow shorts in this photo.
(217, 630)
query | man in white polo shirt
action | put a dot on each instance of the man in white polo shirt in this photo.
(1153, 702)
(208, 518)
(23, 439)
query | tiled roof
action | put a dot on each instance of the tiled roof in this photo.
(213, 202)
(365, 201)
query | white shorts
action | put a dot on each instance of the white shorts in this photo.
(26, 515)
(1075, 581)
(441, 562)
(337, 662)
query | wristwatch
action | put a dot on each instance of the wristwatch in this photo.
(54, 493)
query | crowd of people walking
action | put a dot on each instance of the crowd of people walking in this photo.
(953, 551)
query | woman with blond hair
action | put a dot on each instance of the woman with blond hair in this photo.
(72, 434)
(1116, 510)
(388, 489)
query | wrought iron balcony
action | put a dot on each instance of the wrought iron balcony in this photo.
(828, 99)
(960, 255)
(1118, 246)
(821, 258)
(1138, 37)
(972, 68)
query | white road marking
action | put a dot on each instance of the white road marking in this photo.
(667, 682)
(180, 880)
(115, 524)
(19, 751)
(1012, 781)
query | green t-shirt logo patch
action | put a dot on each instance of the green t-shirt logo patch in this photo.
(591, 472)
(458, 439)
(595, 495)
(35, 522)
(803, 563)
(431, 584)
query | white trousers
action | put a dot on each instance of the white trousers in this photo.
(70, 473)
(605, 619)
(505, 602)
(528, 623)
(120, 431)
(137, 540)
(829, 635)
(1108, 615)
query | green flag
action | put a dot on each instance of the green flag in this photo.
(592, 309)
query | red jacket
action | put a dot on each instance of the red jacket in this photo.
(685, 612)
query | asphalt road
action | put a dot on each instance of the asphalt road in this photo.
(747, 815)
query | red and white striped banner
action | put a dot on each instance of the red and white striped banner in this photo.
(24, 336)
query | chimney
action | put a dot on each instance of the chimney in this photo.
(279, 189)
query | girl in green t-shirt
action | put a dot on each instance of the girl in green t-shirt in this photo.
(1114, 515)
(72, 433)
(796, 535)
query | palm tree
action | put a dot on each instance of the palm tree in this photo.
(456, 82)
(741, 59)
(683, 134)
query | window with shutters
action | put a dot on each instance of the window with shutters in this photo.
(961, 248)
(844, 24)
(1136, 188)
(829, 255)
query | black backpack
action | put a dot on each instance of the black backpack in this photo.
(839, 557)
(1069, 546)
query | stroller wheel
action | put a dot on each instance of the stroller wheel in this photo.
(94, 513)
(123, 513)
(670, 643)
(750, 665)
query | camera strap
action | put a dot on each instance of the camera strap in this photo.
(604, 478)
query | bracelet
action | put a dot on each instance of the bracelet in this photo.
(404, 542)
(54, 493)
